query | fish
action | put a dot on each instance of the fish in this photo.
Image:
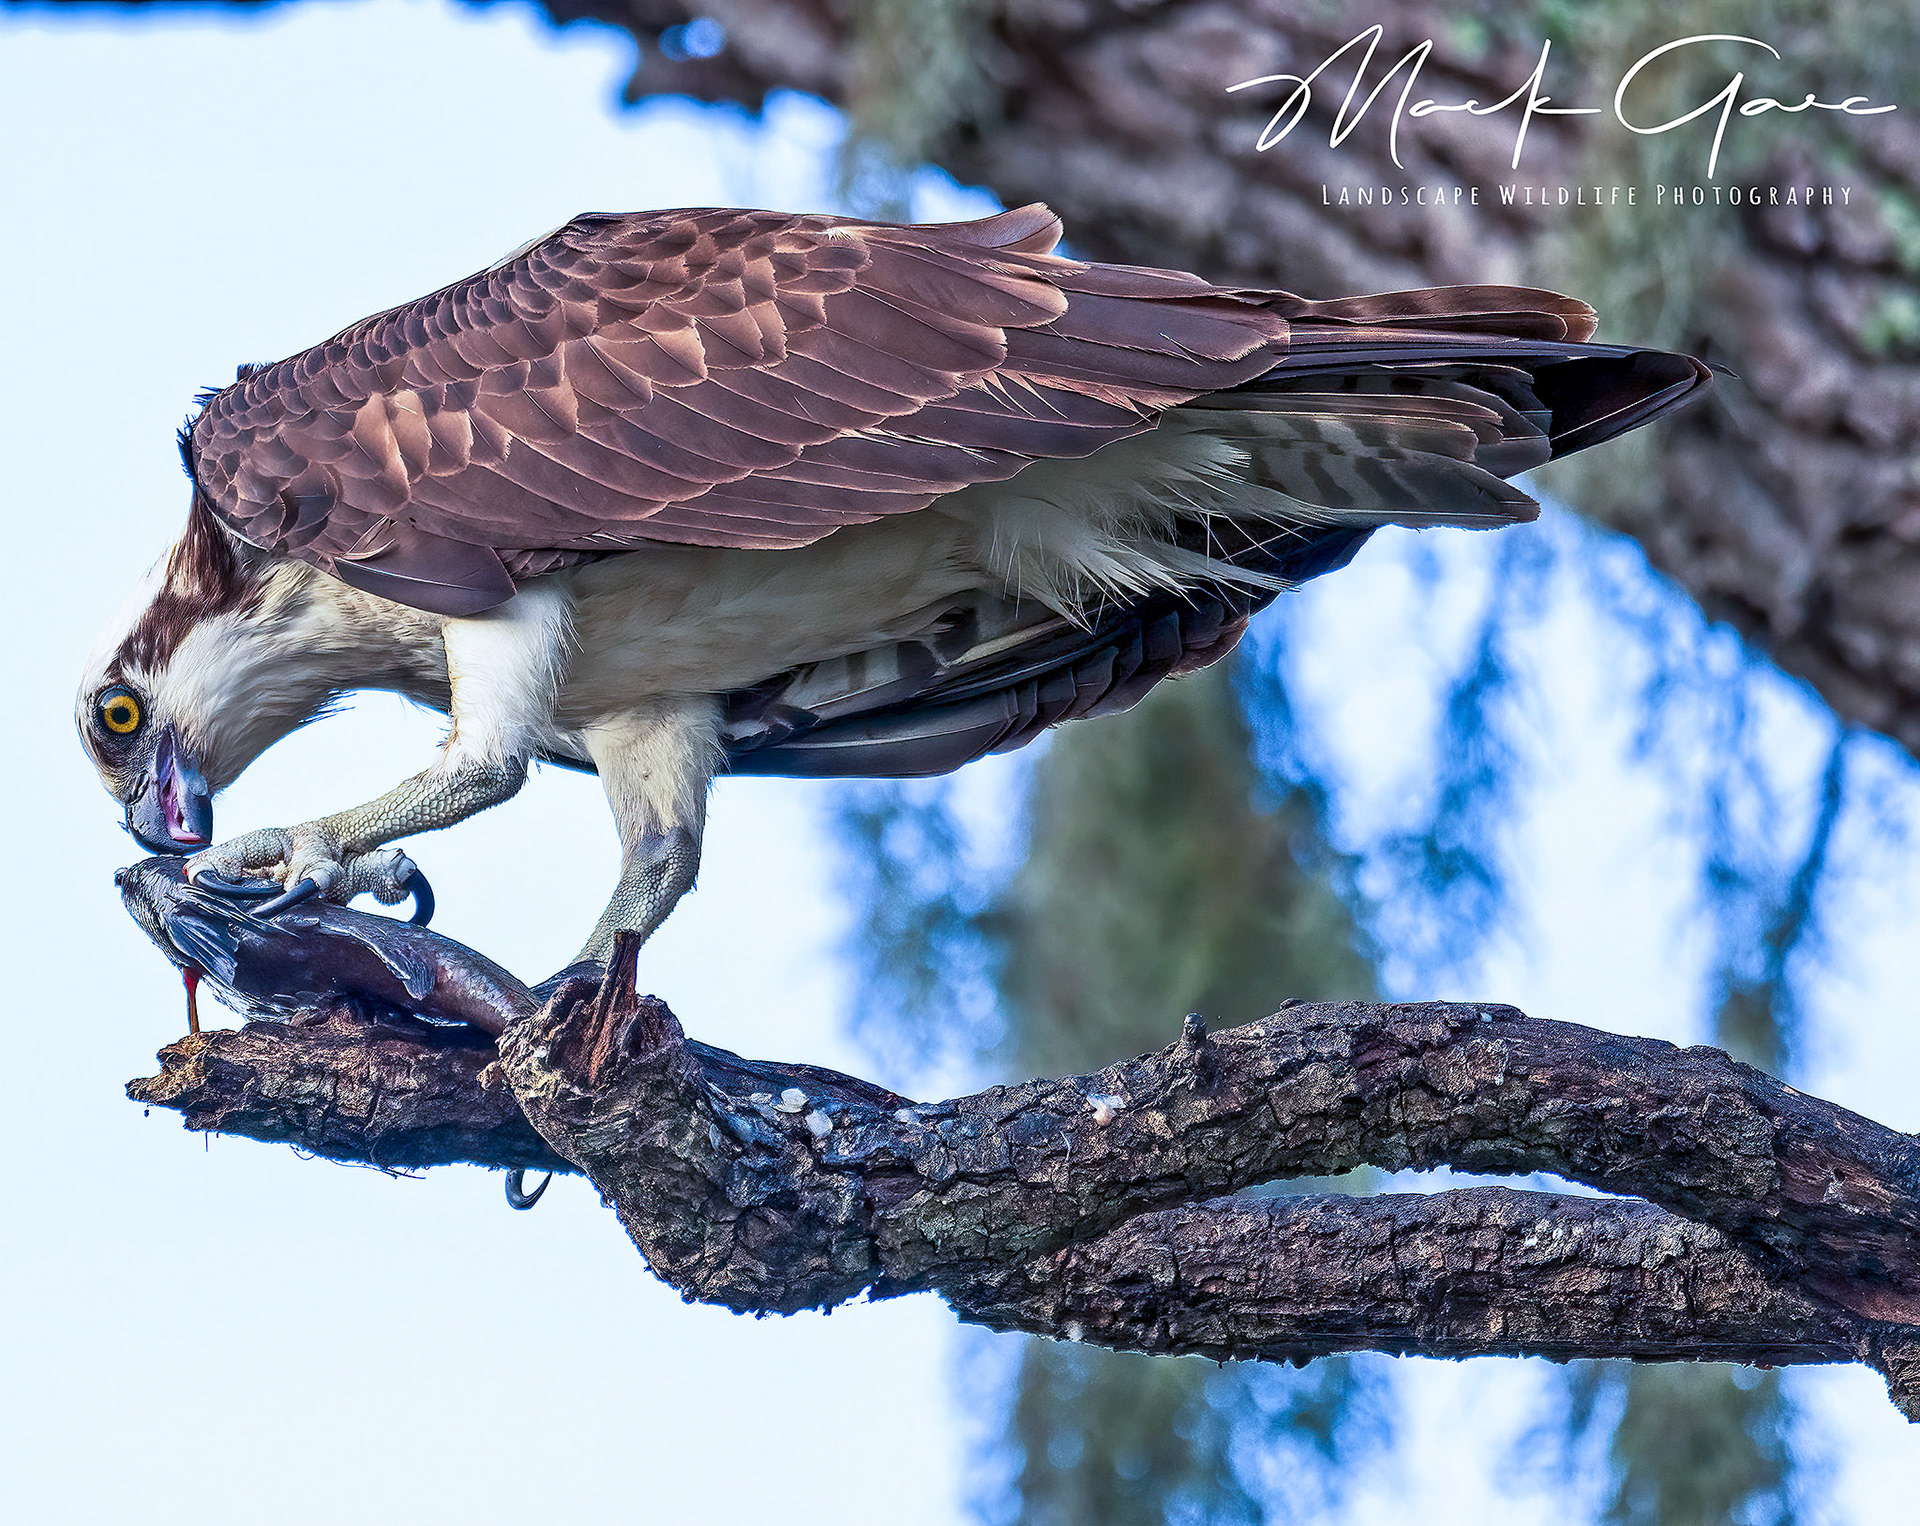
(315, 956)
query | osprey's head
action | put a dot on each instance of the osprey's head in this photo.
(180, 693)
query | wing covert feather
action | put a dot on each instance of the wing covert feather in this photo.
(757, 379)
(707, 376)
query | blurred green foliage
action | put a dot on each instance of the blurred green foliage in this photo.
(1166, 865)
(1163, 876)
(915, 70)
(1159, 874)
(1172, 859)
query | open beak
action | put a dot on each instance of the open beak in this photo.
(173, 812)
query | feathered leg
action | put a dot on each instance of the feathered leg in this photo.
(504, 669)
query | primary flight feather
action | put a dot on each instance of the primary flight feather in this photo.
(668, 494)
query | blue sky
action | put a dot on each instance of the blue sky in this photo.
(184, 192)
(355, 1345)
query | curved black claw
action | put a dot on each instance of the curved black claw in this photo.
(238, 890)
(517, 1195)
(293, 895)
(415, 884)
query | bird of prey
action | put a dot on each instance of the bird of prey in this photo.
(671, 494)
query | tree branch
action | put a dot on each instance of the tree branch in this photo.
(350, 1091)
(1783, 1230)
(1474, 1272)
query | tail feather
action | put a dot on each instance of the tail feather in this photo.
(1520, 312)
(1413, 407)
(1596, 399)
(1409, 408)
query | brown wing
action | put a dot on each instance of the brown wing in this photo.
(713, 377)
(1402, 408)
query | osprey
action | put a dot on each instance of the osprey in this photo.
(671, 494)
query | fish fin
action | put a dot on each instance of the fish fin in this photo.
(208, 945)
(412, 970)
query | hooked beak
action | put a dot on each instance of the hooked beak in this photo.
(173, 812)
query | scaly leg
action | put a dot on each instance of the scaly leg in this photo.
(656, 763)
(504, 667)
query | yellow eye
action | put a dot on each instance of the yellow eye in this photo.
(120, 712)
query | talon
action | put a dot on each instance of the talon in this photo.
(415, 884)
(301, 890)
(517, 1195)
(239, 890)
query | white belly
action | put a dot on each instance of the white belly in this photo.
(696, 620)
(674, 620)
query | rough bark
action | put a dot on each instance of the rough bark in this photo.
(1474, 1272)
(1776, 1228)
(349, 1091)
